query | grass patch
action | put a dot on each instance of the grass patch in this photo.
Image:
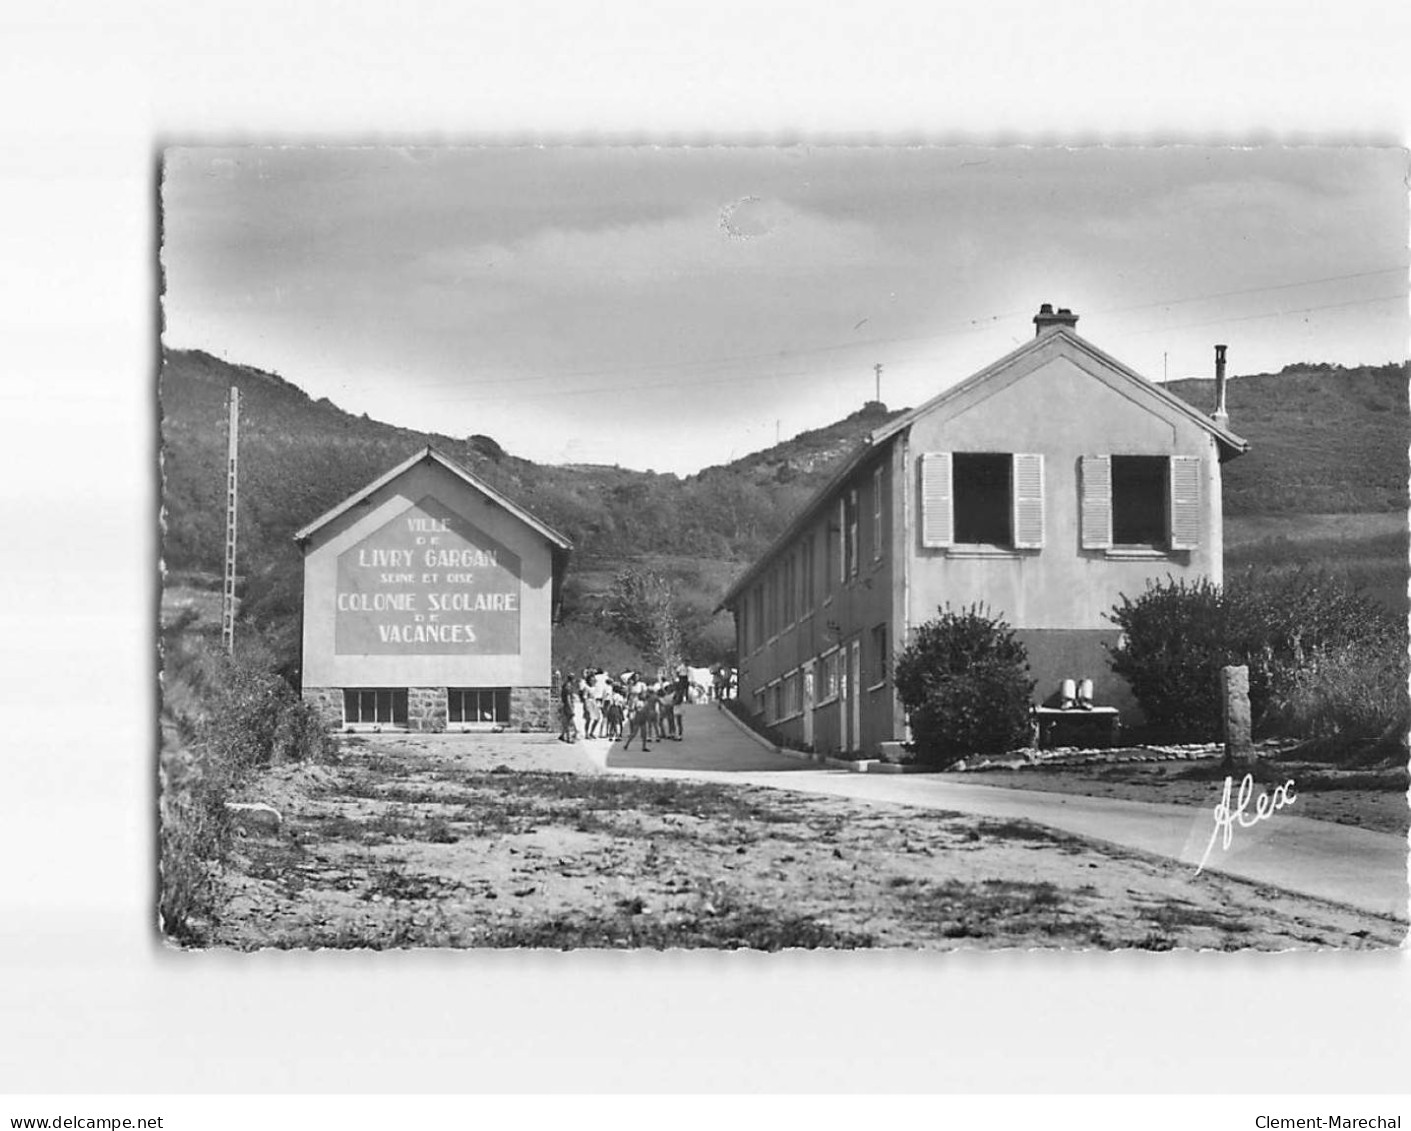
(1000, 908)
(1176, 914)
(723, 923)
(1025, 832)
(393, 825)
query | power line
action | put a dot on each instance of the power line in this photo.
(1270, 314)
(949, 330)
(637, 386)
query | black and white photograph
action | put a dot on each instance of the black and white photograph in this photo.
(778, 547)
(745, 564)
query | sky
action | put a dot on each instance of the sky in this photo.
(674, 308)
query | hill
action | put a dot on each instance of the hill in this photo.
(299, 457)
(1324, 440)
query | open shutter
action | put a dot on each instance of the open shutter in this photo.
(1185, 502)
(1028, 480)
(1097, 502)
(937, 504)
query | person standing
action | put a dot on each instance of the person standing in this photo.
(681, 697)
(566, 732)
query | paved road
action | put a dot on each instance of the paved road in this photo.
(1356, 867)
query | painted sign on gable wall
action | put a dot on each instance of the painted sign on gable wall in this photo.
(427, 583)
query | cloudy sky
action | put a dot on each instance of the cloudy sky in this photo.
(675, 308)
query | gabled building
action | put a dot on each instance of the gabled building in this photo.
(429, 599)
(1045, 486)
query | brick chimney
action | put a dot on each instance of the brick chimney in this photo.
(1046, 320)
(1221, 415)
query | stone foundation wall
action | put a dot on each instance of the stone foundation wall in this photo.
(328, 702)
(532, 708)
(426, 709)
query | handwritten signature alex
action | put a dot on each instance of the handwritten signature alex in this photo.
(1227, 817)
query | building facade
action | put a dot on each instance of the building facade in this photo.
(1045, 487)
(429, 601)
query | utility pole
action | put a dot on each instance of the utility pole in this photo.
(232, 484)
(877, 369)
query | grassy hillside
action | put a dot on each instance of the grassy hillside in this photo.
(1325, 440)
(300, 457)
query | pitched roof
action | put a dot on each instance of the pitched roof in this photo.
(879, 438)
(1232, 445)
(430, 453)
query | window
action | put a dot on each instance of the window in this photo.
(808, 596)
(849, 521)
(793, 694)
(478, 705)
(790, 588)
(881, 658)
(776, 702)
(830, 557)
(982, 499)
(877, 476)
(1140, 502)
(757, 616)
(759, 703)
(381, 706)
(828, 678)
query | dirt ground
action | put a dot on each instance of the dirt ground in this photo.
(1322, 793)
(515, 840)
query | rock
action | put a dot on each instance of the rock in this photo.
(254, 816)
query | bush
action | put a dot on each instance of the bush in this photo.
(1301, 634)
(1173, 646)
(194, 836)
(964, 680)
(254, 718)
(1353, 695)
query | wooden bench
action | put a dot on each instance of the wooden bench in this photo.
(1102, 723)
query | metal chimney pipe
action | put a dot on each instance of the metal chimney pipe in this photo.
(1222, 415)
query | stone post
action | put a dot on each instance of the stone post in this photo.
(1234, 703)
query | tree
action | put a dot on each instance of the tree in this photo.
(641, 608)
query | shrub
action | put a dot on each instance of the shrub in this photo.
(964, 680)
(1173, 646)
(254, 718)
(1348, 695)
(1295, 631)
(194, 836)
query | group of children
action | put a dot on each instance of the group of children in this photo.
(594, 705)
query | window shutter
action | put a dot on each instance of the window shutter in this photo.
(1185, 502)
(1028, 480)
(1097, 502)
(937, 509)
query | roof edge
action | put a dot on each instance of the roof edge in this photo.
(431, 453)
(1232, 445)
(867, 446)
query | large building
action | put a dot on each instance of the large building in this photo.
(429, 599)
(1045, 487)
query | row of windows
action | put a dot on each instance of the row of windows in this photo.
(997, 499)
(790, 591)
(387, 706)
(785, 697)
